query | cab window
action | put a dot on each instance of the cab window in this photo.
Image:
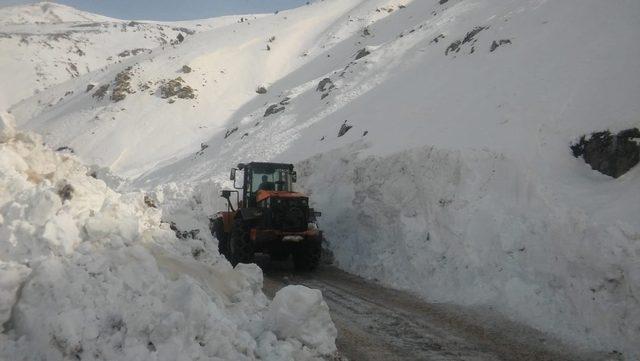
(278, 180)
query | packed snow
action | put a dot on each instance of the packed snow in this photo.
(433, 135)
(92, 274)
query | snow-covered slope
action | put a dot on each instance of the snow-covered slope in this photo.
(433, 135)
(46, 44)
(88, 273)
(45, 13)
(227, 65)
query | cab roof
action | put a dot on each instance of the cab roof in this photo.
(265, 166)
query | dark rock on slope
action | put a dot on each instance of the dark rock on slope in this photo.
(613, 155)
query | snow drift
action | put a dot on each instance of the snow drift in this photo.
(92, 274)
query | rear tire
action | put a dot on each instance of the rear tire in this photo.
(240, 245)
(306, 256)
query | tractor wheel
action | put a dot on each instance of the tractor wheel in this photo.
(306, 256)
(240, 246)
(217, 228)
(280, 254)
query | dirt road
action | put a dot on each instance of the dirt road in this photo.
(376, 323)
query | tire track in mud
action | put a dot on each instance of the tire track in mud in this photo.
(376, 323)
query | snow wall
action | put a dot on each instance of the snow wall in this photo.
(88, 273)
(475, 228)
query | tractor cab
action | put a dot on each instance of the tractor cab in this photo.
(264, 178)
(268, 217)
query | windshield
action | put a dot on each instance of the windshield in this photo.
(276, 180)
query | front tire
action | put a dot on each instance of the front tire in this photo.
(280, 254)
(217, 229)
(240, 245)
(306, 256)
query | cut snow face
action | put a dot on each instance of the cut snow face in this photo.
(477, 228)
(88, 273)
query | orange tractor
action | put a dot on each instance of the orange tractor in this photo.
(269, 217)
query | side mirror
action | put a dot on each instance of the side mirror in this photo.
(294, 177)
(226, 194)
(232, 176)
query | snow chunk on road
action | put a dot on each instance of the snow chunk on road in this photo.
(88, 273)
(300, 312)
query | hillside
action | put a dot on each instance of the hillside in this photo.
(45, 13)
(434, 136)
(48, 44)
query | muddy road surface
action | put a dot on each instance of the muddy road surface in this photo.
(376, 323)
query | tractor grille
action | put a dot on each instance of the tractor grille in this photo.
(290, 214)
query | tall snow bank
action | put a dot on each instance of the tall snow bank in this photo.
(473, 227)
(88, 273)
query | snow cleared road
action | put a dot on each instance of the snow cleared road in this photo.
(377, 323)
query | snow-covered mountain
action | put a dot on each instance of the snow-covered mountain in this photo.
(434, 136)
(46, 13)
(47, 44)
